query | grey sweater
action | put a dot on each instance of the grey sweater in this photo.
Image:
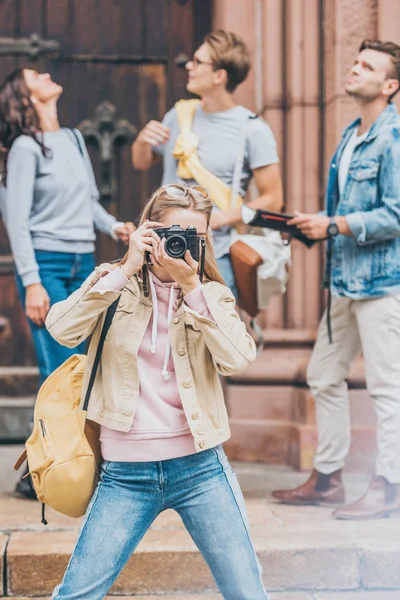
(51, 203)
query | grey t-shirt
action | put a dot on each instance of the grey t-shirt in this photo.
(50, 203)
(219, 140)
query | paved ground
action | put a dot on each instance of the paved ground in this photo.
(306, 554)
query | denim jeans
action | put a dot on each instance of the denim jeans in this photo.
(226, 270)
(201, 488)
(61, 274)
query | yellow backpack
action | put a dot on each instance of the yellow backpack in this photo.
(63, 450)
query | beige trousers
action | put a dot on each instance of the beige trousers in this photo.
(373, 327)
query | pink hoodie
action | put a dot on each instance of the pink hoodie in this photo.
(159, 430)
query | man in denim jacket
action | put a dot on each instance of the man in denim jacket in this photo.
(362, 225)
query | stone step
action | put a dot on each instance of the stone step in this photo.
(289, 403)
(16, 414)
(276, 424)
(287, 443)
(288, 366)
(306, 555)
(18, 381)
(300, 549)
(343, 595)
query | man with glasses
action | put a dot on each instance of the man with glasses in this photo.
(219, 65)
(362, 224)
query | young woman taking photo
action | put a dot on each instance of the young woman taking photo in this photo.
(50, 204)
(159, 402)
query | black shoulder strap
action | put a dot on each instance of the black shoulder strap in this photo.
(107, 322)
(78, 141)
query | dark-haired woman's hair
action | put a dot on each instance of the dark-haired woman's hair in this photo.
(18, 116)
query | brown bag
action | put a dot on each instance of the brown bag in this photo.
(245, 261)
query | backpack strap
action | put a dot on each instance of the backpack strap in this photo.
(107, 323)
(76, 136)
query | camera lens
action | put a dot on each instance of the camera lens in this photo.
(176, 246)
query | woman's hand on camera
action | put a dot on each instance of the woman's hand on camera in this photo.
(184, 272)
(37, 303)
(143, 240)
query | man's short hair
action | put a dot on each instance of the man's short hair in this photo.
(390, 48)
(229, 52)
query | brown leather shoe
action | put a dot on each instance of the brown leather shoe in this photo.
(318, 490)
(380, 500)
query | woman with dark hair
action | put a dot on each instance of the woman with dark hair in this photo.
(50, 204)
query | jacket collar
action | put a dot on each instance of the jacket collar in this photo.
(385, 117)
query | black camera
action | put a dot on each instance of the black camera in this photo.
(179, 240)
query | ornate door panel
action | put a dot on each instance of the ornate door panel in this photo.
(118, 62)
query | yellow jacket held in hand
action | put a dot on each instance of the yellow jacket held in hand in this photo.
(189, 165)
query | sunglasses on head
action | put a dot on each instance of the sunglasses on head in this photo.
(177, 190)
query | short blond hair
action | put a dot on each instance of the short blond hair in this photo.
(229, 52)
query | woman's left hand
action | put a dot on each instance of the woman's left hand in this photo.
(184, 272)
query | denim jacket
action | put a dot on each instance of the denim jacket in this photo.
(367, 264)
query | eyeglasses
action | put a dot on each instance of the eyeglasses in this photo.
(180, 191)
(197, 61)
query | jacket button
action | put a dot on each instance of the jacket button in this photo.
(181, 351)
(187, 384)
(195, 416)
(121, 304)
(175, 320)
(201, 445)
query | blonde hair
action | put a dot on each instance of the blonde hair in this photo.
(160, 203)
(229, 52)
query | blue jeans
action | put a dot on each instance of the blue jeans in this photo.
(226, 270)
(61, 274)
(201, 488)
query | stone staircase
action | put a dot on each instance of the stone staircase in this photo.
(305, 554)
(272, 413)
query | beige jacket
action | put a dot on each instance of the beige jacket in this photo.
(201, 349)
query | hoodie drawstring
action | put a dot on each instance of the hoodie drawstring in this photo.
(153, 347)
(165, 373)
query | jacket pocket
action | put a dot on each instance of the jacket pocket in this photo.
(381, 261)
(364, 170)
(126, 306)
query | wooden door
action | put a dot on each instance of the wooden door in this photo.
(121, 55)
